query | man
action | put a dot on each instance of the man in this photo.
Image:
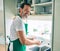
(17, 33)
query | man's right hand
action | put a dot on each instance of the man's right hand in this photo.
(37, 42)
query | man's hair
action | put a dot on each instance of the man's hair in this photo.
(22, 5)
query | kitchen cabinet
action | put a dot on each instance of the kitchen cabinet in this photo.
(41, 6)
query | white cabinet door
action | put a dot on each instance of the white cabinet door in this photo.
(56, 42)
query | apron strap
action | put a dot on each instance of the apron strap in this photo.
(9, 45)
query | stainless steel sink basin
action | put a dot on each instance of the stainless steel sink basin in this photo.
(36, 48)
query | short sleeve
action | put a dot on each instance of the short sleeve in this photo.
(18, 24)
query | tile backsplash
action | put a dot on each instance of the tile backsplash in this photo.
(40, 28)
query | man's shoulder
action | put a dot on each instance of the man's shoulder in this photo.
(17, 18)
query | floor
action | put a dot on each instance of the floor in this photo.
(2, 47)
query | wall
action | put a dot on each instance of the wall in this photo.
(1, 18)
(10, 12)
(1, 22)
(10, 7)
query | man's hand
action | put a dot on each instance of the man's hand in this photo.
(37, 42)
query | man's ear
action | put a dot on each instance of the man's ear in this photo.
(20, 10)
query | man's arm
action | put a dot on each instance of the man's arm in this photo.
(25, 40)
(31, 38)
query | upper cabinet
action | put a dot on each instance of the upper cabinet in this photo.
(40, 7)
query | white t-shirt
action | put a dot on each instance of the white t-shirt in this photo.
(17, 25)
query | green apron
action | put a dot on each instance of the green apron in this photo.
(17, 46)
(26, 28)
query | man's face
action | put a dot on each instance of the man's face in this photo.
(26, 10)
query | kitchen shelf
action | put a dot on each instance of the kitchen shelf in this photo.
(41, 7)
(44, 4)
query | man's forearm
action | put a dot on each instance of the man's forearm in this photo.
(25, 40)
(30, 42)
(30, 38)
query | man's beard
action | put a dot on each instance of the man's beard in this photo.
(24, 15)
(25, 18)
